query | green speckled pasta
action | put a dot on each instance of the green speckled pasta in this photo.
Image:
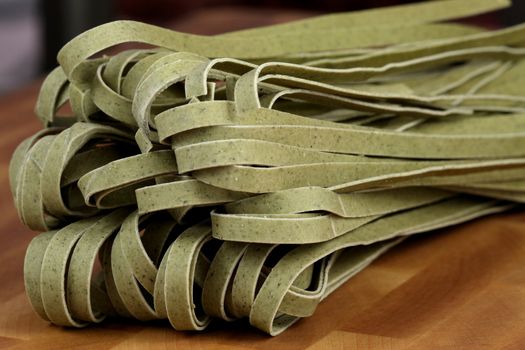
(250, 174)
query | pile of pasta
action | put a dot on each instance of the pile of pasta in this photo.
(250, 174)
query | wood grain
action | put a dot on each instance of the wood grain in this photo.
(460, 288)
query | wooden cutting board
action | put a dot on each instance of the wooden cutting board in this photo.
(459, 288)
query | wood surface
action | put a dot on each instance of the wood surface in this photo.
(459, 288)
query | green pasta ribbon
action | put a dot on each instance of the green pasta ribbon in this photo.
(250, 174)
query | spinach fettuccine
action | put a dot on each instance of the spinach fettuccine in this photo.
(250, 174)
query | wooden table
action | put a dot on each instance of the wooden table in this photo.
(460, 288)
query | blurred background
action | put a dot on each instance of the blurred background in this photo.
(32, 31)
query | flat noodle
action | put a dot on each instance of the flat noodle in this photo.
(250, 174)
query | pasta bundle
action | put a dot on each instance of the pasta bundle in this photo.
(250, 174)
